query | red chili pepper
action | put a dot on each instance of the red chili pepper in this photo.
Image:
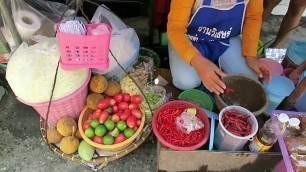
(168, 130)
(237, 123)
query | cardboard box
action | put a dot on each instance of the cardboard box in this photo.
(204, 160)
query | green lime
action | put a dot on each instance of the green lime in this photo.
(108, 139)
(90, 132)
(129, 132)
(109, 124)
(100, 130)
(94, 123)
(121, 125)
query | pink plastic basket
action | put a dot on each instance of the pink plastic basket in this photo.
(84, 51)
(69, 106)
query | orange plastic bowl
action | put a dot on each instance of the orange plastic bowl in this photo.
(185, 104)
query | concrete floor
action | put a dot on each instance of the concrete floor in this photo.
(22, 147)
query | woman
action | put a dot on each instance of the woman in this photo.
(211, 35)
(291, 19)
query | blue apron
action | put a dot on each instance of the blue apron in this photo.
(210, 28)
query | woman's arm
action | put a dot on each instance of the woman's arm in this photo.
(251, 34)
(251, 28)
(178, 19)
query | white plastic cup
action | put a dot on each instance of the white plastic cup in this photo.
(224, 140)
(278, 88)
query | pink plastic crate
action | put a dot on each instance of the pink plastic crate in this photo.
(84, 51)
(286, 162)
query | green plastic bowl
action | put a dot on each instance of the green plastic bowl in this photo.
(197, 97)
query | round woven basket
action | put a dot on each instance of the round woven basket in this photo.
(101, 159)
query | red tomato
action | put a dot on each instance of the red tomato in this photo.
(97, 113)
(85, 125)
(138, 122)
(133, 106)
(120, 113)
(98, 139)
(115, 109)
(90, 116)
(126, 97)
(136, 99)
(124, 116)
(131, 121)
(137, 113)
(115, 118)
(104, 103)
(118, 98)
(127, 111)
(112, 102)
(120, 138)
(103, 117)
(135, 128)
(123, 105)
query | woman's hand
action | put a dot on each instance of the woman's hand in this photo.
(209, 73)
(261, 68)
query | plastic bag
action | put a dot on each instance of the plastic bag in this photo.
(29, 21)
(4, 29)
(142, 74)
(188, 121)
(124, 44)
(4, 46)
(156, 96)
(52, 10)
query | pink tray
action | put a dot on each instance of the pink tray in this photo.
(282, 145)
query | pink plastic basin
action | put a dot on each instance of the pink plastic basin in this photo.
(186, 104)
(276, 68)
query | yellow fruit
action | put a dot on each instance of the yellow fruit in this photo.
(93, 99)
(112, 88)
(77, 134)
(53, 135)
(66, 126)
(98, 84)
(69, 145)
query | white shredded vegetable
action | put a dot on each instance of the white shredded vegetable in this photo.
(31, 71)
